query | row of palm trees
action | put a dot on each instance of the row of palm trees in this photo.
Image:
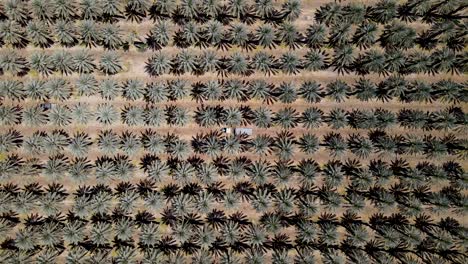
(247, 242)
(19, 31)
(192, 198)
(290, 63)
(451, 118)
(391, 88)
(342, 61)
(185, 168)
(395, 36)
(103, 219)
(62, 61)
(283, 145)
(137, 10)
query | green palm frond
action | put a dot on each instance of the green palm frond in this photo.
(66, 32)
(110, 63)
(41, 63)
(13, 89)
(129, 143)
(86, 85)
(80, 169)
(109, 89)
(111, 36)
(39, 34)
(154, 116)
(133, 89)
(58, 89)
(12, 62)
(34, 116)
(132, 115)
(83, 62)
(106, 114)
(108, 141)
(60, 115)
(79, 144)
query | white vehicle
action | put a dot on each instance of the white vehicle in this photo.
(237, 130)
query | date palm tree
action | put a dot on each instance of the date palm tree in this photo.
(83, 62)
(289, 35)
(371, 61)
(79, 144)
(329, 14)
(132, 115)
(56, 167)
(13, 34)
(283, 146)
(360, 146)
(107, 141)
(129, 143)
(340, 35)
(66, 33)
(58, 89)
(106, 114)
(311, 91)
(81, 113)
(308, 170)
(10, 115)
(91, 9)
(109, 89)
(74, 232)
(10, 140)
(308, 143)
(34, 116)
(63, 62)
(184, 62)
(154, 116)
(397, 36)
(335, 143)
(365, 35)
(264, 63)
(111, 36)
(266, 37)
(240, 36)
(235, 89)
(286, 118)
(39, 34)
(188, 35)
(176, 116)
(90, 33)
(158, 64)
(86, 85)
(365, 90)
(12, 62)
(41, 63)
(65, 10)
(60, 116)
(43, 10)
(290, 63)
(159, 36)
(384, 11)
(111, 10)
(343, 59)
(338, 90)
(110, 63)
(164, 8)
(17, 91)
(79, 169)
(316, 36)
(239, 64)
(136, 10)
